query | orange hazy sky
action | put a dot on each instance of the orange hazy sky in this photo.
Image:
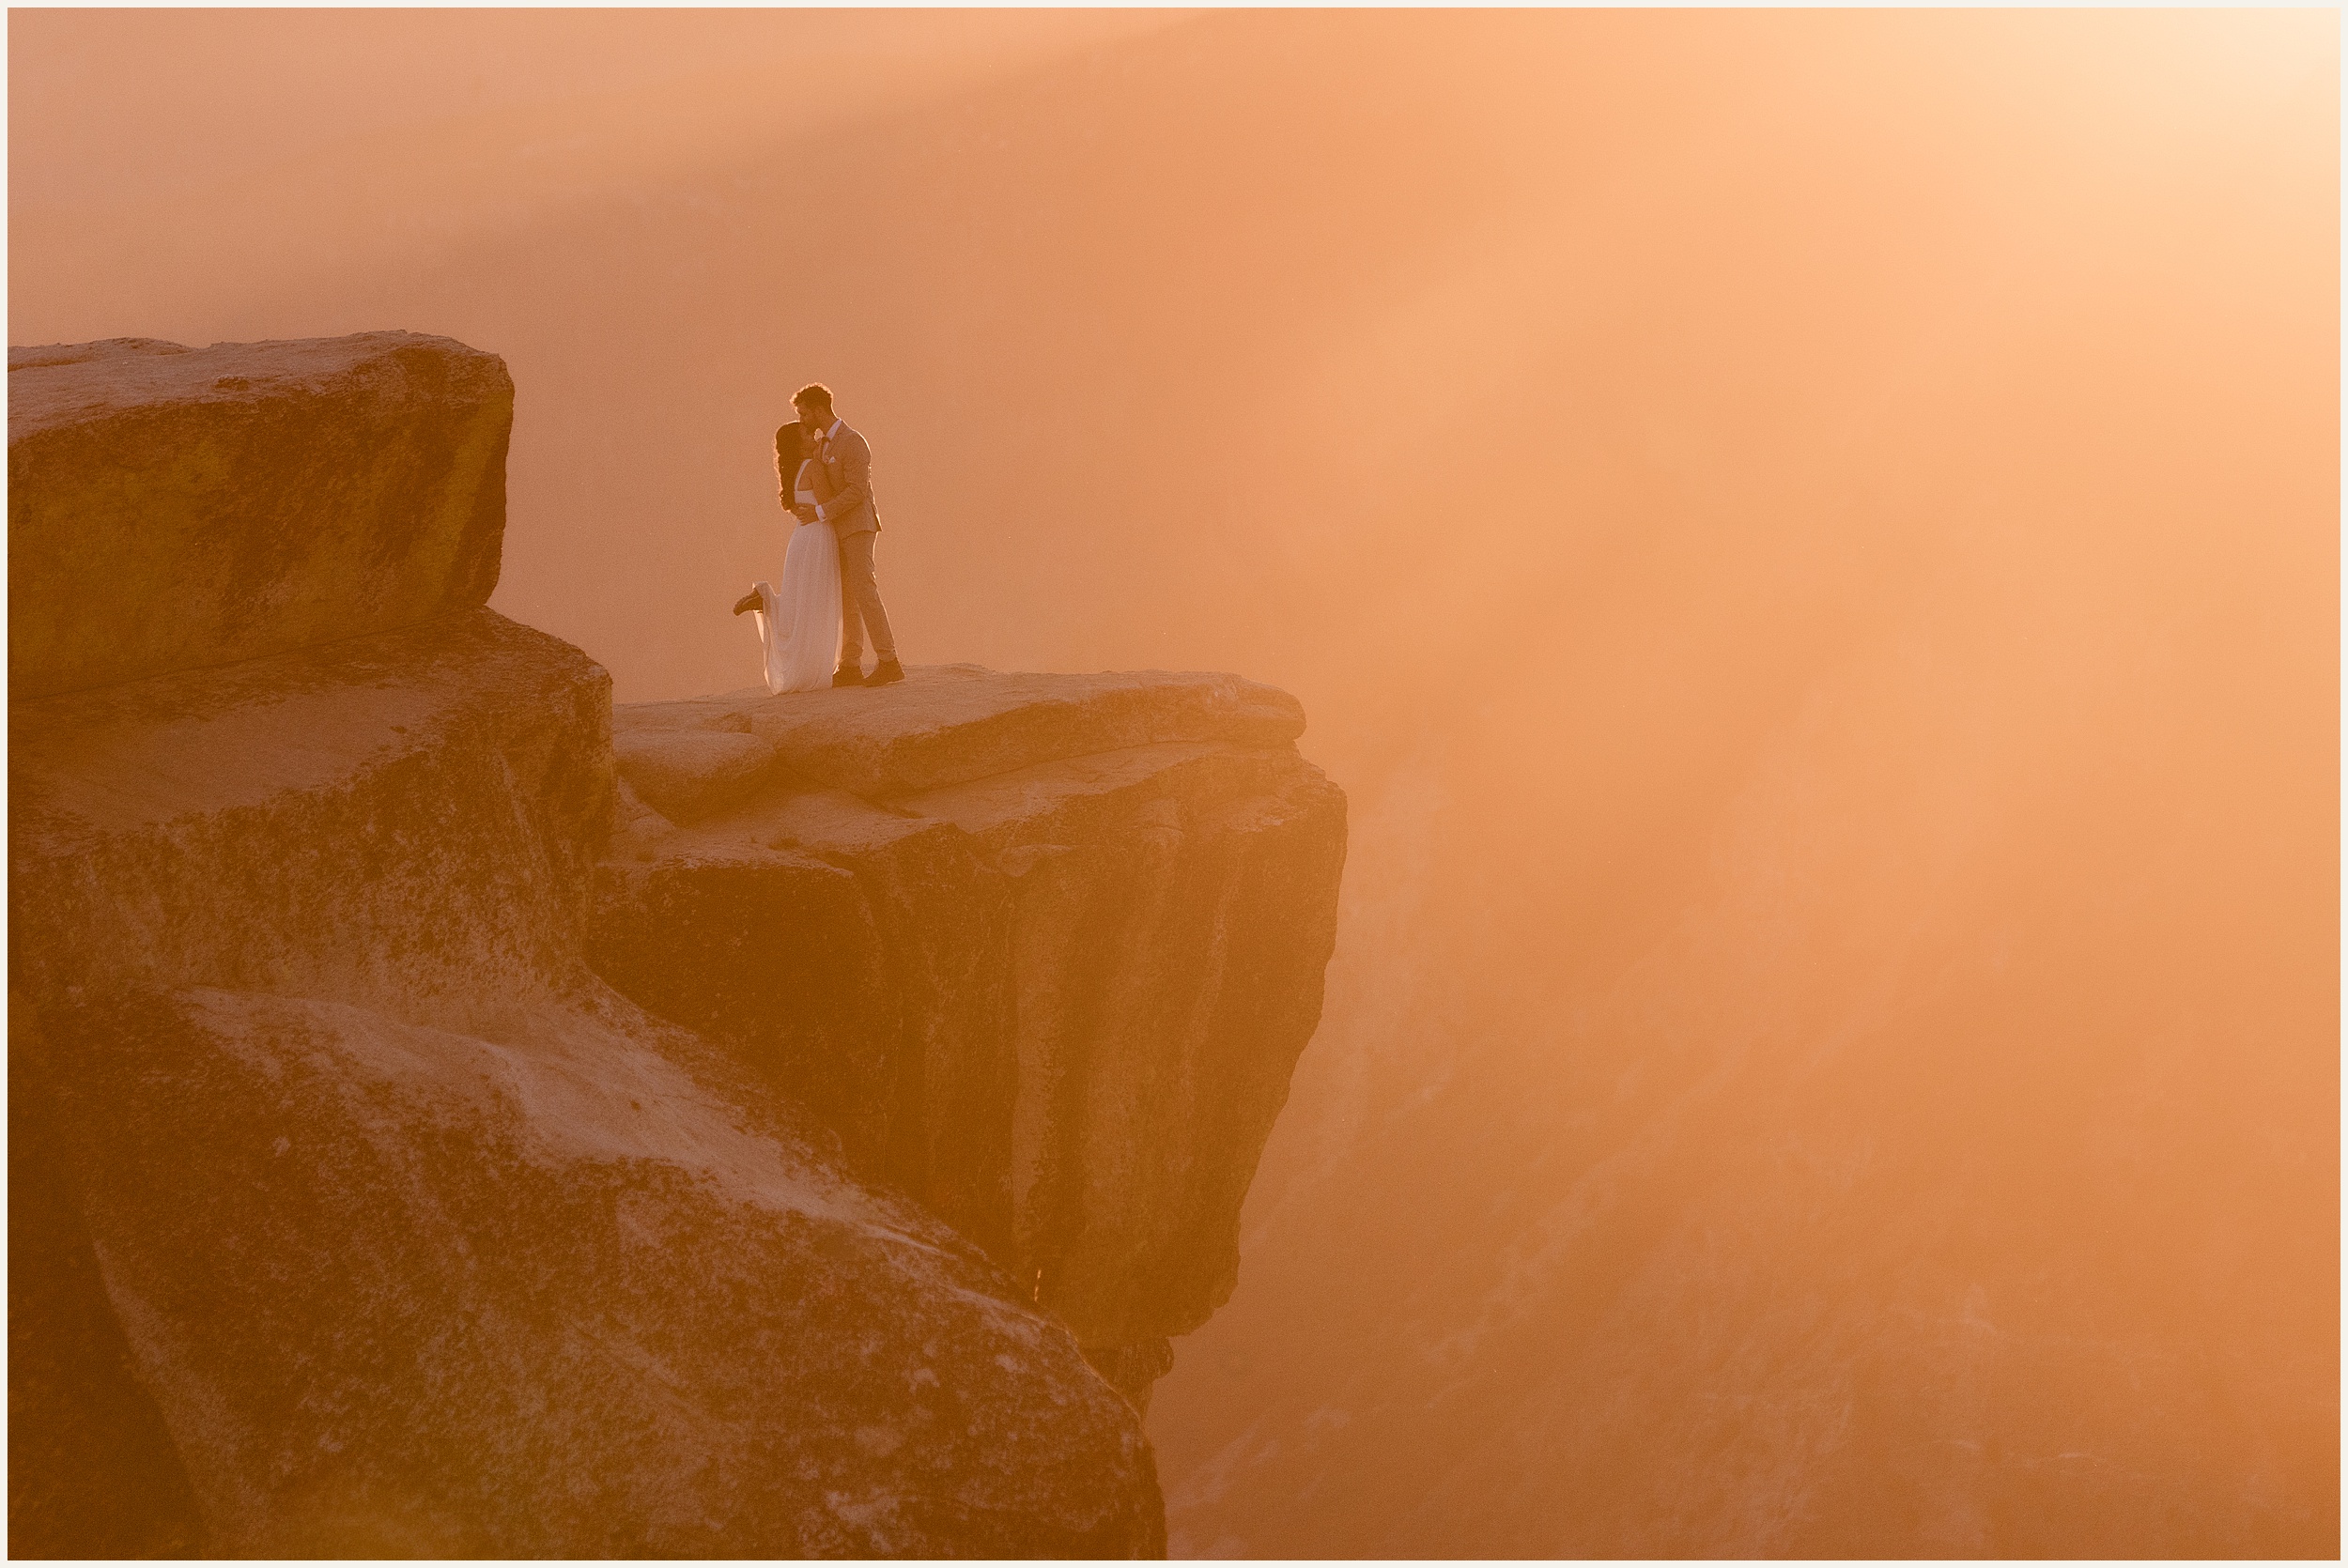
(1811, 539)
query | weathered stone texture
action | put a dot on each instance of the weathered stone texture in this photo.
(170, 508)
(92, 1469)
(1051, 978)
(407, 819)
(420, 1238)
(351, 1212)
(399, 1291)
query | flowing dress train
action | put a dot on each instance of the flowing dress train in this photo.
(799, 619)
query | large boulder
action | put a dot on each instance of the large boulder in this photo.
(400, 1291)
(1042, 949)
(409, 820)
(173, 507)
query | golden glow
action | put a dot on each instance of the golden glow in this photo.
(1810, 538)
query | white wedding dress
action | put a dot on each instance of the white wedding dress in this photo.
(798, 622)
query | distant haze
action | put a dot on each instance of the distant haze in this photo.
(1811, 539)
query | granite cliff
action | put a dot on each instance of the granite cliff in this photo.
(448, 1116)
(1042, 949)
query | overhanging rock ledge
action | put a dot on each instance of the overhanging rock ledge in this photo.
(1043, 948)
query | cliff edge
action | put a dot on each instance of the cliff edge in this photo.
(1044, 949)
(450, 1117)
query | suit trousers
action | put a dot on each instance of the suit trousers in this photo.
(860, 601)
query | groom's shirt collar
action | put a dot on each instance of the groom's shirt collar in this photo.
(832, 429)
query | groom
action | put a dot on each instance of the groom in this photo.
(848, 462)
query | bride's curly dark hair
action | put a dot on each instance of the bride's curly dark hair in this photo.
(789, 447)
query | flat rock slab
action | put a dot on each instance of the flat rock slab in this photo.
(172, 508)
(944, 724)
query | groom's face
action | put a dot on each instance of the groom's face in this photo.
(813, 419)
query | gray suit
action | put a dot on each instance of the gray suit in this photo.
(855, 516)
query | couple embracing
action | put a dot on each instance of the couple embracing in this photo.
(827, 596)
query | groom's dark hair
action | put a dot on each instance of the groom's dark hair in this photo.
(813, 395)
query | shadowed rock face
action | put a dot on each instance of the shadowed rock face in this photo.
(1044, 949)
(92, 1469)
(174, 507)
(353, 1214)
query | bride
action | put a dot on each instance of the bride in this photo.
(798, 622)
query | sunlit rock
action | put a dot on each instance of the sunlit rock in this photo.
(174, 507)
(407, 819)
(1043, 948)
(403, 1290)
(351, 1214)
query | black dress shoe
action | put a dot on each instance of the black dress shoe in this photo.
(884, 672)
(751, 601)
(848, 675)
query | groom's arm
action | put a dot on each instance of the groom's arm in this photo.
(856, 480)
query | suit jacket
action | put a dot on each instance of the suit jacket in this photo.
(848, 462)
